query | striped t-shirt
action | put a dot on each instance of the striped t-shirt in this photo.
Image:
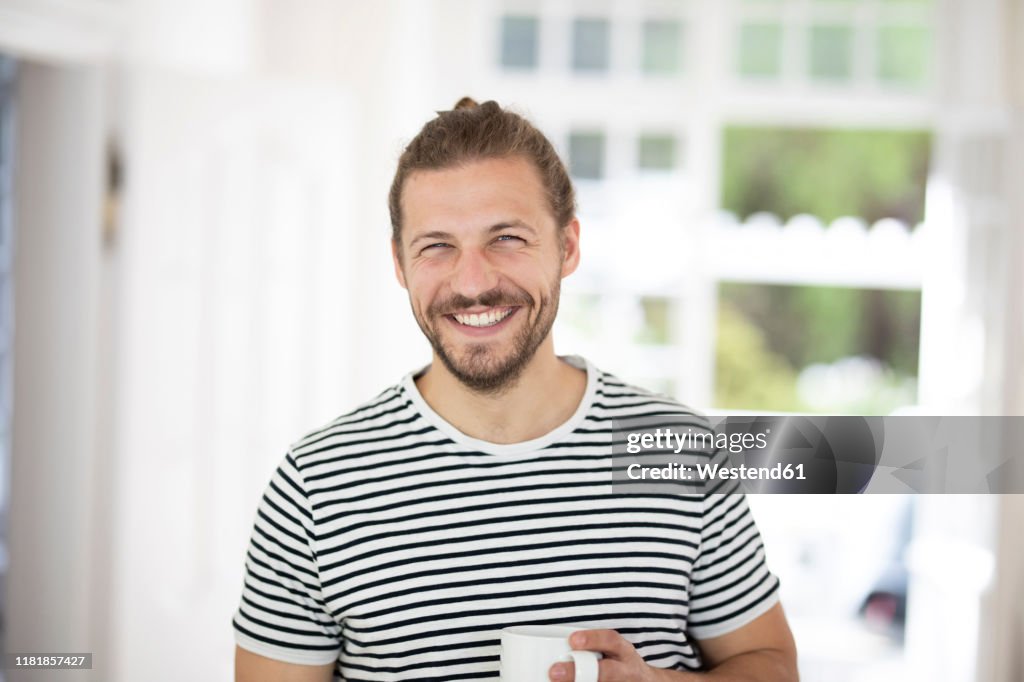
(398, 547)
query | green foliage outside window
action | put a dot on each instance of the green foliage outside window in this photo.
(871, 174)
(767, 334)
(748, 374)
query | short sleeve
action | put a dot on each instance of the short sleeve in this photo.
(730, 584)
(282, 613)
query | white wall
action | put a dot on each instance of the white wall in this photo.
(970, 306)
(1002, 636)
(1013, 360)
(59, 475)
(235, 319)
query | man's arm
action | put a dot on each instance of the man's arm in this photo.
(250, 667)
(763, 650)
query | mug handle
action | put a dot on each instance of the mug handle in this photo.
(586, 665)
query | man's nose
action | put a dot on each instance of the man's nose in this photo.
(474, 274)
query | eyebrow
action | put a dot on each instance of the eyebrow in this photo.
(497, 227)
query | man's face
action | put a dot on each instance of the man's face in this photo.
(482, 260)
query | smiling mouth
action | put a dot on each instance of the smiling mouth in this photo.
(488, 318)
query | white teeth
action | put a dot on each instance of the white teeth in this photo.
(488, 319)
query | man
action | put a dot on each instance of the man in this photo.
(397, 541)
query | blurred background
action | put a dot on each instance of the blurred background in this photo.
(787, 206)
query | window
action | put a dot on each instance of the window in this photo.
(786, 345)
(656, 152)
(590, 45)
(586, 155)
(903, 55)
(831, 52)
(760, 53)
(519, 42)
(662, 42)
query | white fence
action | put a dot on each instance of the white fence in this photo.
(848, 252)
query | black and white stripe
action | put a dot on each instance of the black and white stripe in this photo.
(393, 544)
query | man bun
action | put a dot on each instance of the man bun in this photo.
(474, 132)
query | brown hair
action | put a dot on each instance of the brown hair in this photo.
(473, 132)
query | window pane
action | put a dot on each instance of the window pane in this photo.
(519, 42)
(828, 173)
(903, 54)
(586, 155)
(760, 50)
(824, 350)
(590, 44)
(831, 55)
(582, 312)
(661, 46)
(657, 321)
(657, 152)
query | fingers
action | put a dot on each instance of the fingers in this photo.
(562, 672)
(620, 662)
(608, 671)
(608, 642)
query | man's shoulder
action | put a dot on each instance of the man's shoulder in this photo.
(373, 418)
(627, 399)
(617, 391)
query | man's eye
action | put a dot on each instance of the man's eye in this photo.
(510, 238)
(434, 247)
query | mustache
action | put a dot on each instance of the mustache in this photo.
(493, 298)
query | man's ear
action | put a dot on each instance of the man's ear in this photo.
(396, 258)
(570, 247)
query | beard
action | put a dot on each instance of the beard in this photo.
(480, 366)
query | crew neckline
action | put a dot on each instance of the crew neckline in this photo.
(408, 385)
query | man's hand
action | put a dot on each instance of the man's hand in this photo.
(760, 651)
(621, 662)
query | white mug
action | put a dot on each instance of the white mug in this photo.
(529, 651)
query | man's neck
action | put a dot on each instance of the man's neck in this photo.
(545, 396)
